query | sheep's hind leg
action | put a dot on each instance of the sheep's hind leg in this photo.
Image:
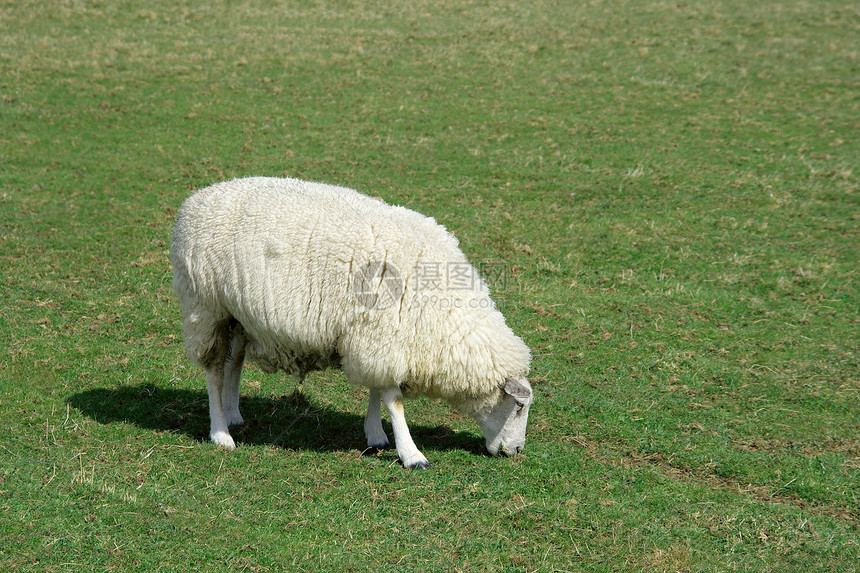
(218, 432)
(214, 361)
(406, 449)
(376, 437)
(232, 378)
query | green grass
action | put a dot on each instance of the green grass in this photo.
(672, 188)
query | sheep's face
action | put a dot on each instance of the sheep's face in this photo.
(504, 426)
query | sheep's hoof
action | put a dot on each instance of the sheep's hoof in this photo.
(372, 450)
(379, 446)
(418, 462)
(223, 439)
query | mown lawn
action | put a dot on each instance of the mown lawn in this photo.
(667, 193)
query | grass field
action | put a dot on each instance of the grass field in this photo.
(671, 188)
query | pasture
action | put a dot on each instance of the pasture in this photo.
(666, 194)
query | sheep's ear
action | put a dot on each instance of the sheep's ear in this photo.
(518, 388)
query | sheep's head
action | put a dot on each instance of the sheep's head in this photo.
(504, 426)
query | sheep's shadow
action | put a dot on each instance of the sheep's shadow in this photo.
(291, 421)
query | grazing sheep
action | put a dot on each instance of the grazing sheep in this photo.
(299, 276)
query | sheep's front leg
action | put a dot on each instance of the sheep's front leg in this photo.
(376, 437)
(232, 378)
(406, 449)
(218, 432)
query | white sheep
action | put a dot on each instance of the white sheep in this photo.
(299, 276)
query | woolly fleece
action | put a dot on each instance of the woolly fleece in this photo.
(282, 256)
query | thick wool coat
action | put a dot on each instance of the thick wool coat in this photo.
(320, 275)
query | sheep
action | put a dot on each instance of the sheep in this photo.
(300, 276)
